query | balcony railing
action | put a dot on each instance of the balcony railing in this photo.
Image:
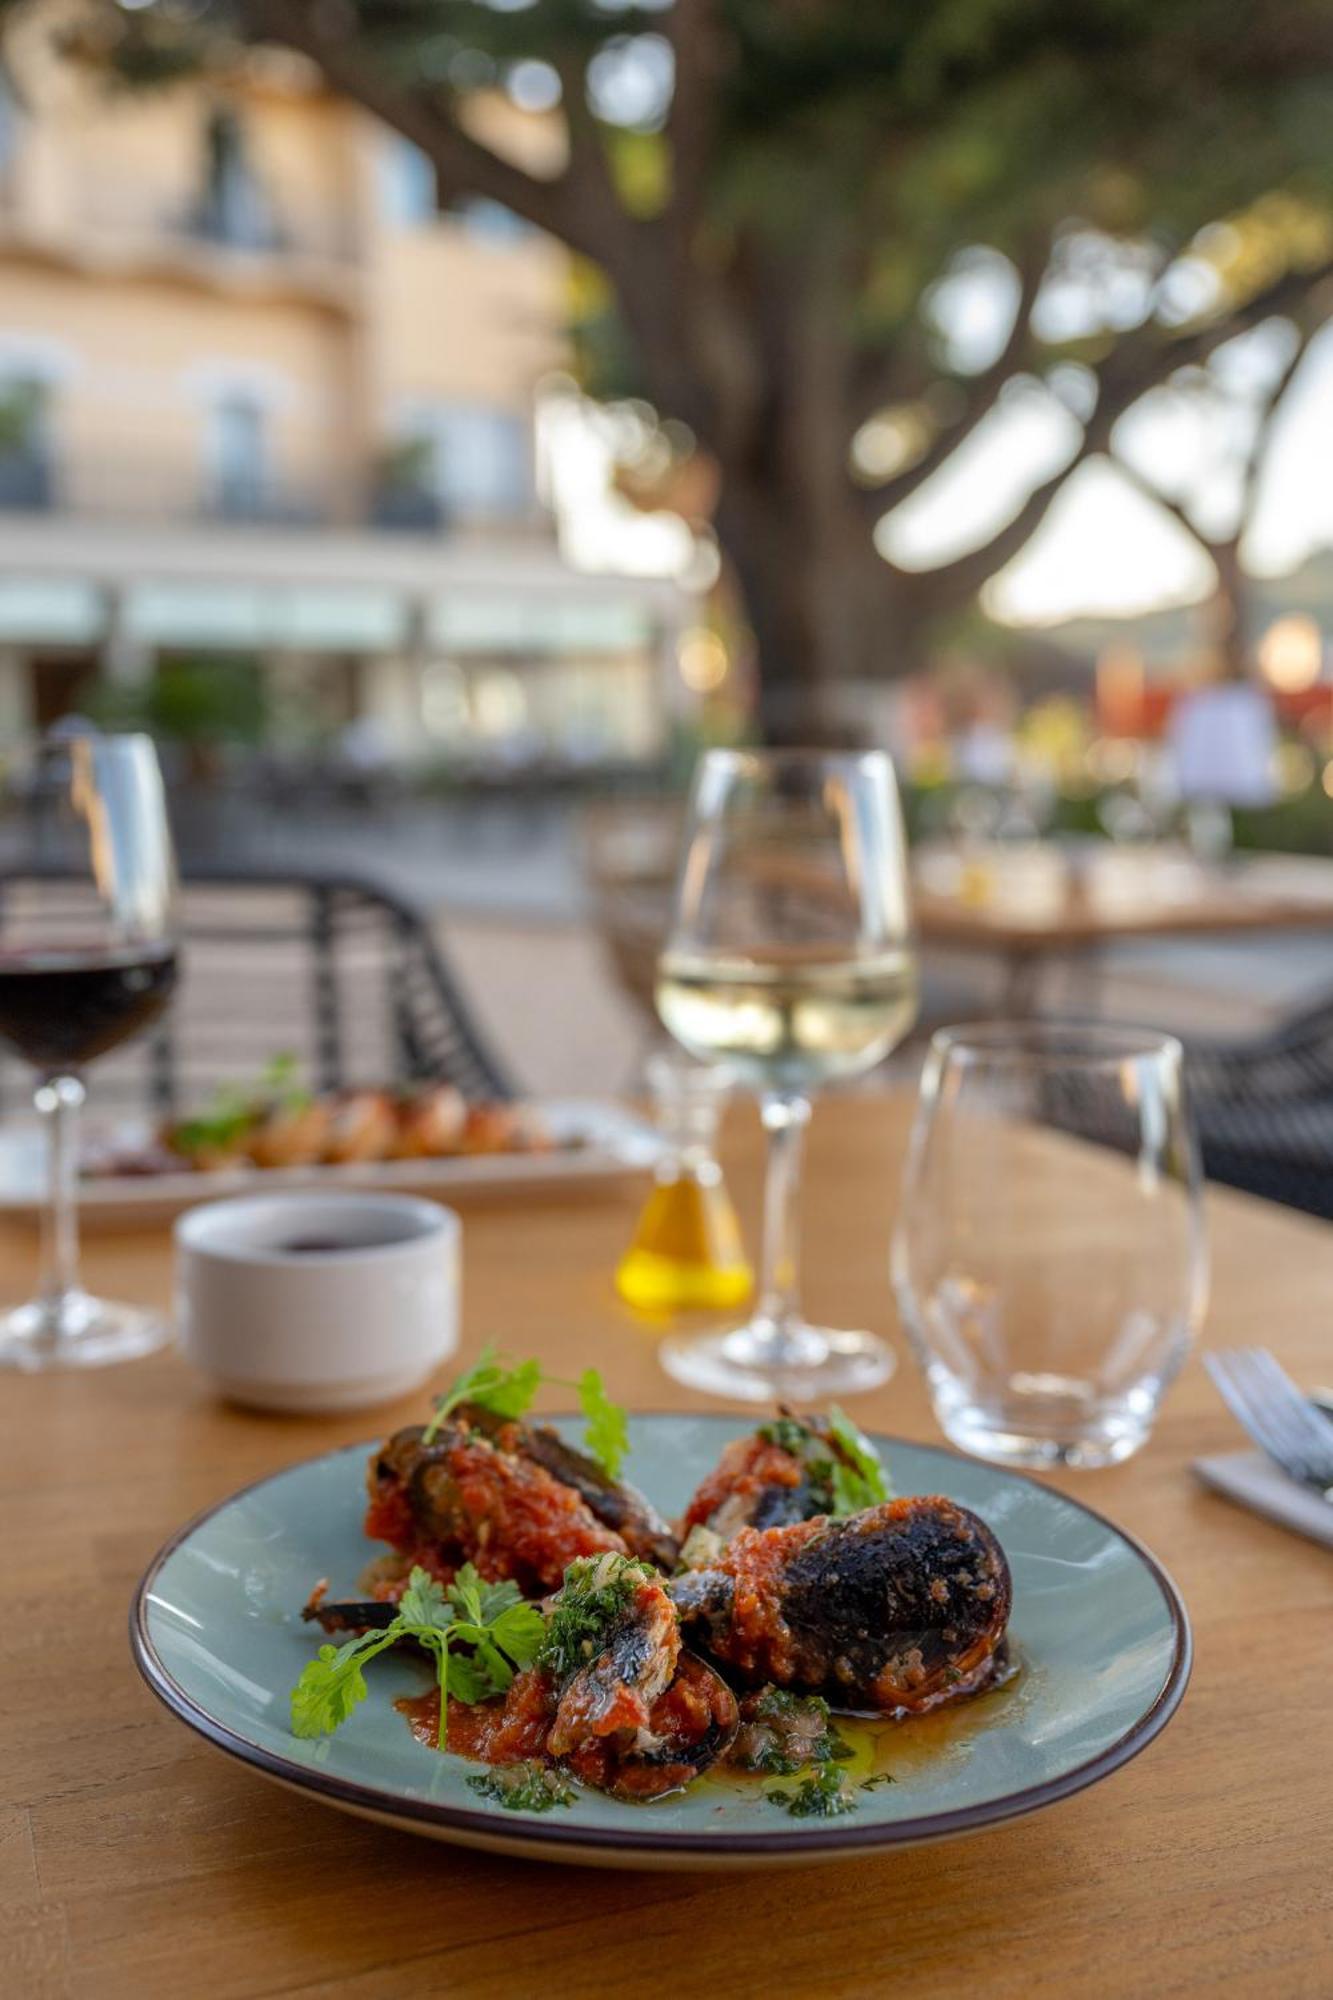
(32, 482)
(126, 218)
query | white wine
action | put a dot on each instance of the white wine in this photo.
(789, 1020)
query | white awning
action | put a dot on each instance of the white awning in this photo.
(50, 611)
(531, 623)
(244, 616)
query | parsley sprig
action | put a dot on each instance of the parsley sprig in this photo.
(479, 1634)
(509, 1392)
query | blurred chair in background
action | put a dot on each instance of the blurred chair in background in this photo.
(342, 974)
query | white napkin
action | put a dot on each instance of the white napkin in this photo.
(1254, 1481)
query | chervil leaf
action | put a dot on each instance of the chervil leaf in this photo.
(519, 1632)
(425, 1602)
(332, 1684)
(607, 1434)
(467, 1679)
(465, 1595)
(505, 1392)
(500, 1632)
(496, 1598)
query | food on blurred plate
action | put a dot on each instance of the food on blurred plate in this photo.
(362, 1125)
(279, 1124)
(575, 1639)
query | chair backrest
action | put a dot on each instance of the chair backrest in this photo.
(1291, 1064)
(340, 973)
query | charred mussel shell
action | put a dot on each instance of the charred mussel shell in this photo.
(679, 1760)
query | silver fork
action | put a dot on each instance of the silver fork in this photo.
(1266, 1402)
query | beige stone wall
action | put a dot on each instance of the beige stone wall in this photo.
(137, 327)
(464, 319)
(137, 365)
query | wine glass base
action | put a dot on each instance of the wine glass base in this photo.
(78, 1332)
(761, 1363)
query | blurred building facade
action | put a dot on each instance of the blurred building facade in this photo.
(258, 397)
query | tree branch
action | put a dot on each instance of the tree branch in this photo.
(694, 30)
(1151, 491)
(428, 120)
(875, 388)
(1307, 325)
(1134, 366)
(588, 176)
(952, 582)
(1152, 353)
(982, 393)
(1306, 328)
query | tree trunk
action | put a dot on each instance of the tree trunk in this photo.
(824, 611)
(1227, 612)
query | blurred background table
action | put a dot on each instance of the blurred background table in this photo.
(132, 1857)
(1034, 904)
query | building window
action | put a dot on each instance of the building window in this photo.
(482, 460)
(10, 123)
(238, 456)
(25, 442)
(407, 185)
(233, 206)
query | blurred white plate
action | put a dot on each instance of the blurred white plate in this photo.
(593, 1141)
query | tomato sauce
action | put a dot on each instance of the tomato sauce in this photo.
(508, 1516)
(491, 1732)
(747, 1466)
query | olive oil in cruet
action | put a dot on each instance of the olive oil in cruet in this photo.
(686, 1253)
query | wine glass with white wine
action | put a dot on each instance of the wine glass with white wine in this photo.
(790, 960)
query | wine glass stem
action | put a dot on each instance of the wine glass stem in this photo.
(58, 1099)
(785, 1117)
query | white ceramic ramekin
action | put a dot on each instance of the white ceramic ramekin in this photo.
(362, 1314)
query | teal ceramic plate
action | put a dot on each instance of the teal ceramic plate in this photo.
(1098, 1629)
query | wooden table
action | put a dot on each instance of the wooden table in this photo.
(136, 1861)
(1033, 905)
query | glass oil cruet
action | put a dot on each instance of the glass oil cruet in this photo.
(686, 1253)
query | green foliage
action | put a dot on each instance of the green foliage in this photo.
(194, 701)
(20, 413)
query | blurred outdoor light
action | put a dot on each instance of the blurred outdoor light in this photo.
(533, 85)
(703, 661)
(1328, 777)
(1291, 654)
(888, 442)
(1121, 679)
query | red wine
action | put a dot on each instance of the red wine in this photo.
(59, 1009)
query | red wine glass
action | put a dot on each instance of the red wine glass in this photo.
(88, 913)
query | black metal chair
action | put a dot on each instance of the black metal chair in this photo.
(341, 973)
(1264, 1111)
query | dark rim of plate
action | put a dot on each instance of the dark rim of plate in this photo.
(511, 1830)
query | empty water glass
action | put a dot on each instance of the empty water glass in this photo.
(1049, 1257)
